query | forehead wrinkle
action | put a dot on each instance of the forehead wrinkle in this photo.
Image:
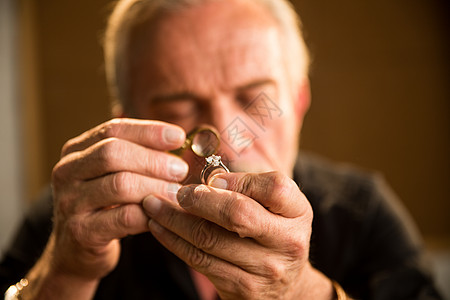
(184, 64)
(241, 31)
(251, 57)
(167, 62)
(221, 56)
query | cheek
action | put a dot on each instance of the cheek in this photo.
(280, 136)
(280, 142)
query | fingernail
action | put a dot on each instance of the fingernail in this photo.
(178, 168)
(172, 135)
(152, 205)
(172, 190)
(184, 196)
(219, 183)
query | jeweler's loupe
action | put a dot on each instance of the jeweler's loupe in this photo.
(203, 140)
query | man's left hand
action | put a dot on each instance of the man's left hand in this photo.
(249, 233)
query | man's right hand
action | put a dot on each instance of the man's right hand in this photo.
(98, 186)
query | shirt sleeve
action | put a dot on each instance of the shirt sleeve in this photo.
(28, 243)
(362, 236)
(390, 249)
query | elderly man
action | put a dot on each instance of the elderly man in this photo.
(125, 228)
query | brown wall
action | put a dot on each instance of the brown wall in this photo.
(380, 86)
(381, 95)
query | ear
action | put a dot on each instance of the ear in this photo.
(302, 99)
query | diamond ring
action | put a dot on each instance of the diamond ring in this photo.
(213, 163)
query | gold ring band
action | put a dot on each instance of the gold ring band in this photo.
(213, 161)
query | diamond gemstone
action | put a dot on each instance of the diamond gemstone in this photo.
(214, 160)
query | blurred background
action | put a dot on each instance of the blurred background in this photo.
(380, 84)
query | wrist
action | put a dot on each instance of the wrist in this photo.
(313, 284)
(47, 284)
(47, 281)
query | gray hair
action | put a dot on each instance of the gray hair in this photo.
(129, 13)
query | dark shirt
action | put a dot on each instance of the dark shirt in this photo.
(361, 237)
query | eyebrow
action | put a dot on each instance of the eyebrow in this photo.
(173, 97)
(257, 83)
(188, 95)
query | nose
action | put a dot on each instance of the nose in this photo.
(236, 132)
(222, 112)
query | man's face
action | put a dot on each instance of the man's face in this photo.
(220, 64)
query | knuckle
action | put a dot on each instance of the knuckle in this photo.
(62, 171)
(203, 237)
(274, 271)
(275, 183)
(68, 146)
(111, 128)
(236, 214)
(248, 287)
(244, 184)
(169, 215)
(121, 184)
(278, 183)
(156, 163)
(298, 248)
(280, 187)
(198, 258)
(125, 217)
(63, 204)
(58, 174)
(108, 150)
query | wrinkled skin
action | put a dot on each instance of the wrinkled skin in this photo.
(251, 239)
(98, 186)
(247, 231)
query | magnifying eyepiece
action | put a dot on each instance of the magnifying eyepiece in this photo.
(204, 141)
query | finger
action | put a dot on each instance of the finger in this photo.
(229, 280)
(274, 190)
(230, 210)
(152, 134)
(115, 155)
(122, 188)
(209, 237)
(101, 227)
